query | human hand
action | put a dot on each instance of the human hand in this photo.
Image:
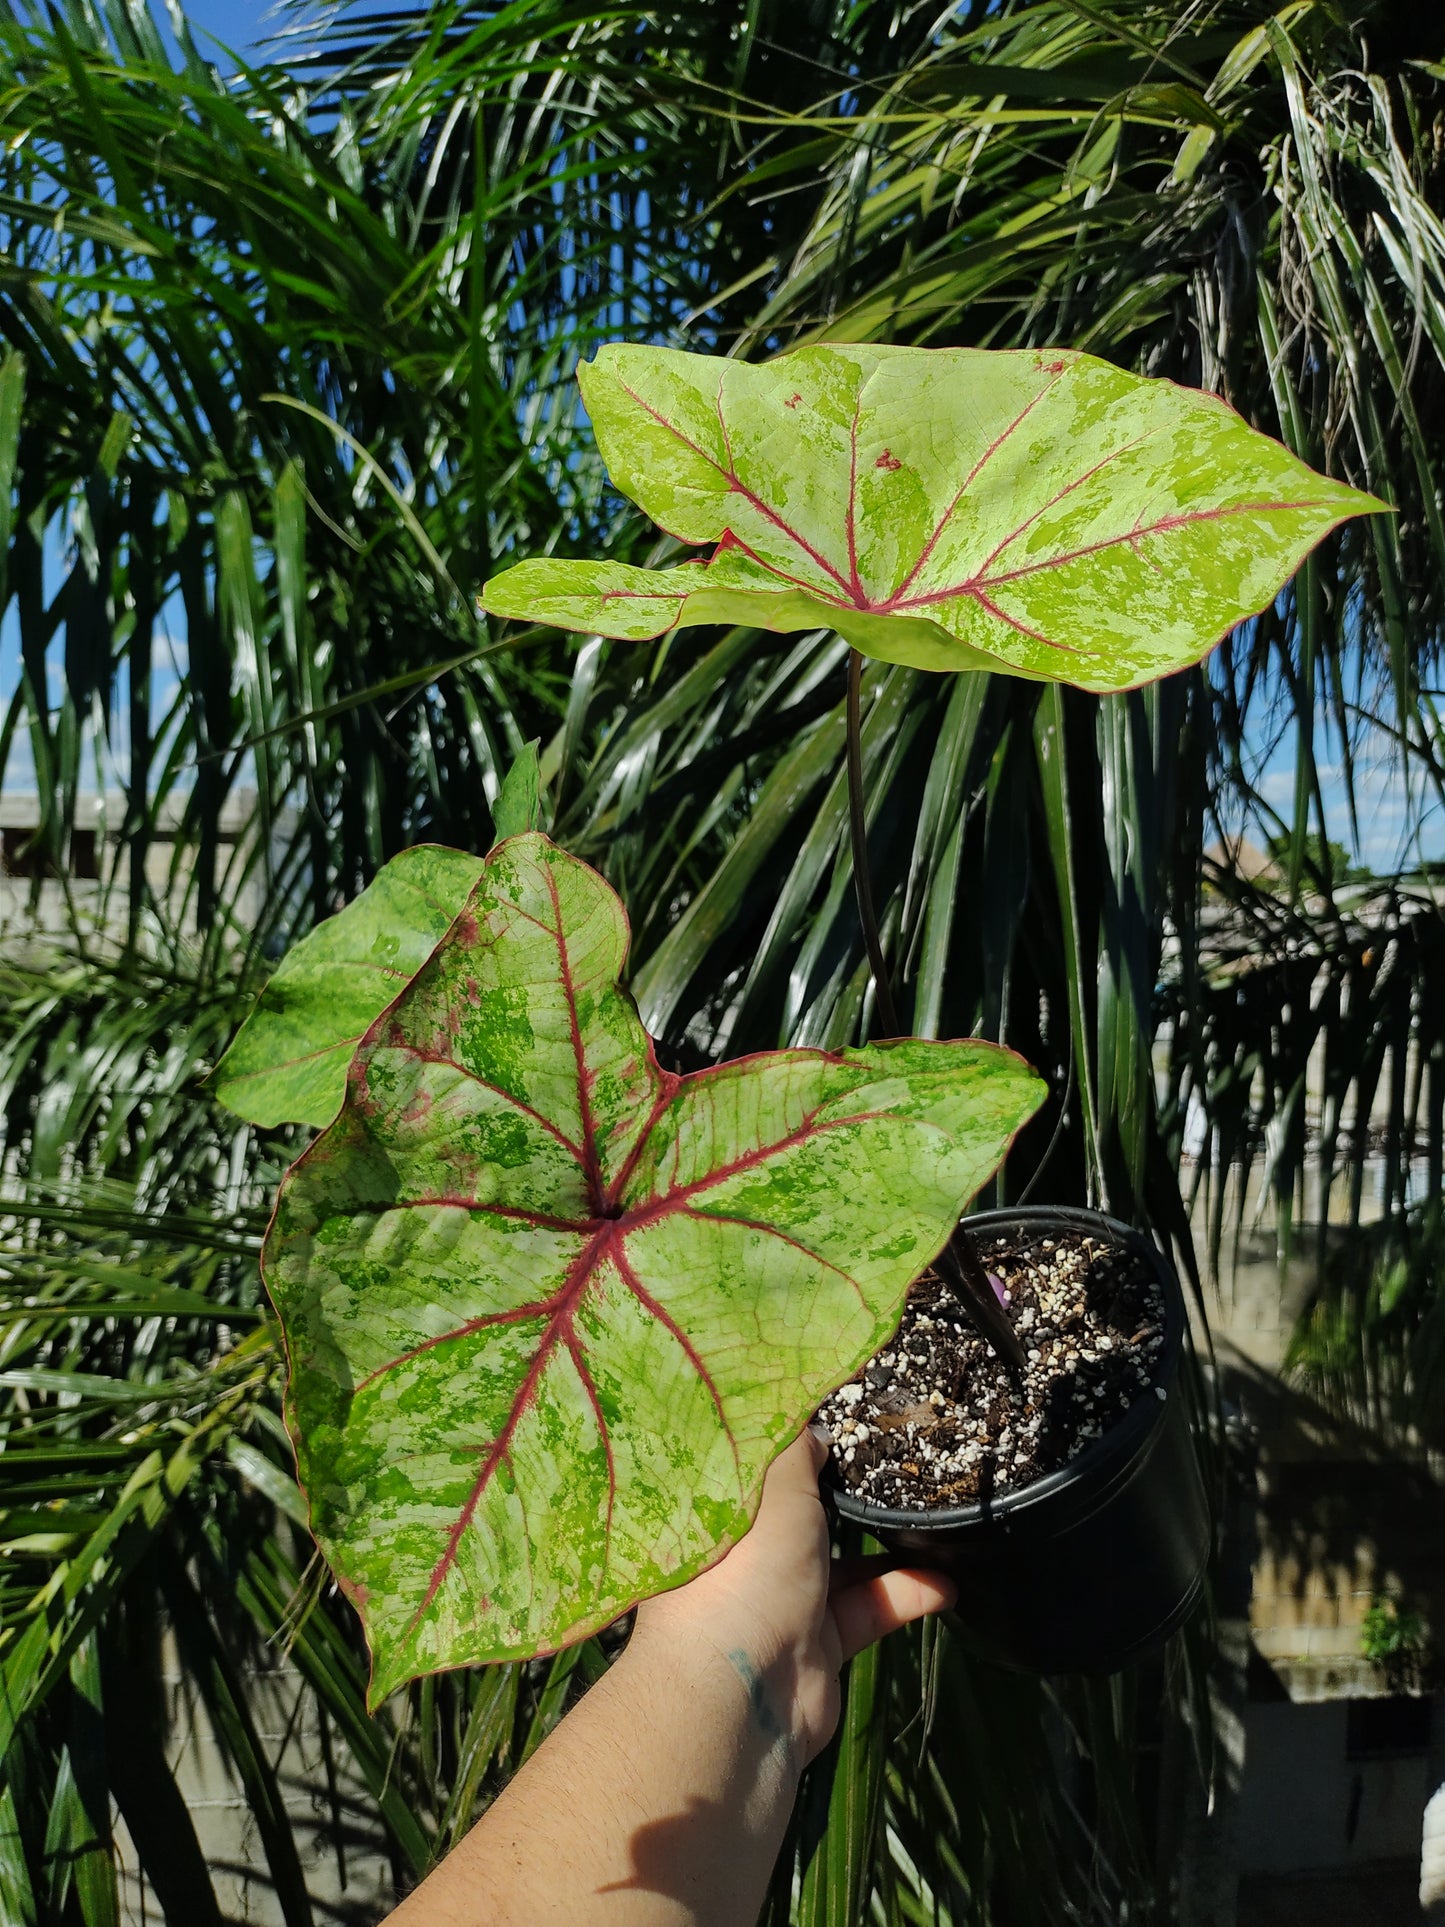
(785, 1616)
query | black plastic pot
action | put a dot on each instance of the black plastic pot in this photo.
(1092, 1566)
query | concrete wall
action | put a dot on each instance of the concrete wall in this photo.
(348, 1875)
(93, 890)
(1305, 1804)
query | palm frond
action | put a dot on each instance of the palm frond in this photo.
(287, 372)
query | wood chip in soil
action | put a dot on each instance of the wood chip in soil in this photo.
(936, 1420)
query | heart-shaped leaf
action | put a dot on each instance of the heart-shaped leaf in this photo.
(287, 1063)
(550, 1310)
(1040, 512)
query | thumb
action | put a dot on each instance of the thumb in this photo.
(877, 1606)
(796, 1468)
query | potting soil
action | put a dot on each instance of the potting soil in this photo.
(936, 1419)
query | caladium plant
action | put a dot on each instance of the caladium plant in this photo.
(550, 1309)
(1038, 512)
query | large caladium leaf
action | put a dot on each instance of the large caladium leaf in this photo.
(1040, 512)
(287, 1063)
(550, 1310)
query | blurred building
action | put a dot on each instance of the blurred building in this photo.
(85, 885)
(1329, 1791)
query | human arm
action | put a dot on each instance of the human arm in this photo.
(661, 1800)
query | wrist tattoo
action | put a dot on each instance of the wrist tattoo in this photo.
(760, 1701)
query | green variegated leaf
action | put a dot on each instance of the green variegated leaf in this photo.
(1035, 511)
(287, 1063)
(519, 801)
(551, 1310)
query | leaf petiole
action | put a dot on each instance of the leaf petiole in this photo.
(958, 1264)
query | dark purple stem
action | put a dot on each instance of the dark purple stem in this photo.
(883, 1004)
(958, 1264)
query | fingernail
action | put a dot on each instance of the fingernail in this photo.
(820, 1432)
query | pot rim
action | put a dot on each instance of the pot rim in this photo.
(1130, 1432)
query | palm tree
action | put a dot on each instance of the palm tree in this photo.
(288, 373)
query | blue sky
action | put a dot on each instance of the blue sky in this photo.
(238, 24)
(241, 25)
(1391, 832)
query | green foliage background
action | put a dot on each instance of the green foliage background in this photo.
(287, 373)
